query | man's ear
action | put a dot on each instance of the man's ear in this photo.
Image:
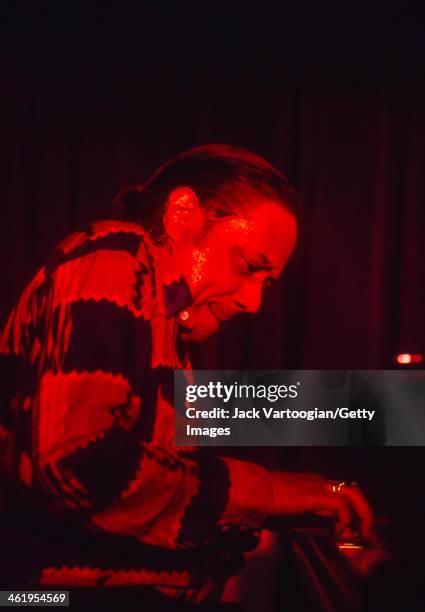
(183, 215)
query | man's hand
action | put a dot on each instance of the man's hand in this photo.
(296, 493)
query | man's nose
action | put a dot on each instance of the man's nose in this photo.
(248, 298)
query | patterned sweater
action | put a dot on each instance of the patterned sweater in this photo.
(86, 429)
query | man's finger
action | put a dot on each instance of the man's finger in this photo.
(360, 506)
(339, 507)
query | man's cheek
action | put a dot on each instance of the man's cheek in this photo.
(223, 277)
(222, 292)
(230, 286)
(201, 264)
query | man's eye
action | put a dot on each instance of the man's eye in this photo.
(251, 268)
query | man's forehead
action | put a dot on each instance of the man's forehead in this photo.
(269, 228)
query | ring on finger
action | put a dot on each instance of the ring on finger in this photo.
(336, 486)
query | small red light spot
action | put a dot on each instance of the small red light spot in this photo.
(184, 315)
(407, 358)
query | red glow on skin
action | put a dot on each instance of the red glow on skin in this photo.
(409, 358)
(199, 261)
(182, 196)
(229, 266)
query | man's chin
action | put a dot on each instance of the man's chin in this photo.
(197, 335)
(201, 324)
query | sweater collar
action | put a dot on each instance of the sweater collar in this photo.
(172, 291)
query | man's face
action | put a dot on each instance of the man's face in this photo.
(228, 268)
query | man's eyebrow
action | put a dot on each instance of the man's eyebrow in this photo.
(263, 261)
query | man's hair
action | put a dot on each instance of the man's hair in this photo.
(220, 175)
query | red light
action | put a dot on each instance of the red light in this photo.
(407, 358)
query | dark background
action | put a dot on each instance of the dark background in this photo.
(97, 95)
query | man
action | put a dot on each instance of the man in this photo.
(88, 434)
